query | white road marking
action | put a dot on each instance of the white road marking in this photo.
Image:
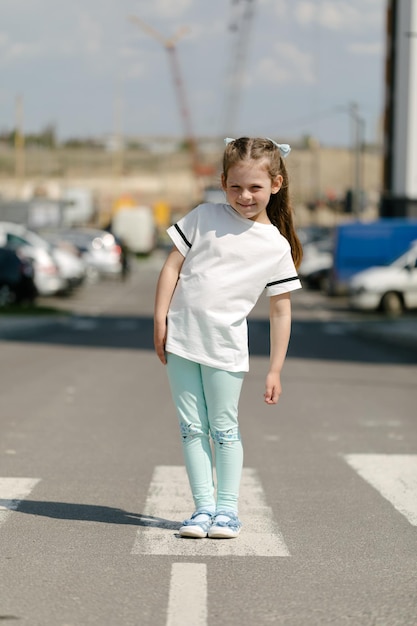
(127, 325)
(169, 502)
(271, 438)
(394, 476)
(187, 602)
(12, 491)
(84, 324)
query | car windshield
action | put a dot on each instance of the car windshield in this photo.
(409, 258)
(34, 240)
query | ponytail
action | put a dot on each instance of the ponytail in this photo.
(280, 214)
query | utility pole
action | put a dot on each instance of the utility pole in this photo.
(118, 147)
(399, 197)
(357, 141)
(19, 142)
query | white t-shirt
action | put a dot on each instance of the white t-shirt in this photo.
(229, 261)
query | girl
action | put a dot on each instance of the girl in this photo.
(224, 256)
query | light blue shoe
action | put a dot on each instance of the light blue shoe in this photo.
(198, 525)
(225, 525)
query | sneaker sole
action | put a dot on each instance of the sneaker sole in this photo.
(222, 533)
(196, 532)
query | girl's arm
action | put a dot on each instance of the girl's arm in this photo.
(167, 282)
(280, 329)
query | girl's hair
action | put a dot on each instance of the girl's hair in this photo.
(279, 207)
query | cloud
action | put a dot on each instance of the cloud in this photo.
(202, 30)
(281, 8)
(371, 49)
(11, 51)
(135, 70)
(84, 37)
(65, 58)
(167, 9)
(133, 65)
(91, 34)
(289, 65)
(337, 15)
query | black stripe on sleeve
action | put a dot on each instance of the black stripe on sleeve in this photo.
(182, 235)
(284, 280)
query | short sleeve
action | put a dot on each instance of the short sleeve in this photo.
(285, 278)
(182, 233)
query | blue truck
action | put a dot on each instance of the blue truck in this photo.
(360, 245)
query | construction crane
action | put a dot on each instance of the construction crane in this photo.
(170, 46)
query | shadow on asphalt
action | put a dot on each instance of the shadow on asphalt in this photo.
(311, 339)
(92, 513)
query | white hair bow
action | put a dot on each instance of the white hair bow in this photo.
(284, 148)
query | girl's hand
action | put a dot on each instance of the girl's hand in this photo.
(273, 388)
(159, 339)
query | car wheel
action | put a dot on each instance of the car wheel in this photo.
(324, 284)
(6, 295)
(92, 275)
(392, 304)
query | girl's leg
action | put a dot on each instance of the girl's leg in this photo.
(187, 392)
(222, 391)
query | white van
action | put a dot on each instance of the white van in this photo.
(391, 289)
(136, 228)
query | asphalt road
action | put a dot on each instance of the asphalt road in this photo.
(92, 485)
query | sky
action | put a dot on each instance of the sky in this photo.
(90, 70)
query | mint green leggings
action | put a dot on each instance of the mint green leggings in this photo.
(206, 400)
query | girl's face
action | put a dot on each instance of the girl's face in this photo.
(248, 189)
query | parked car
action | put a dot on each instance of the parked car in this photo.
(317, 263)
(56, 270)
(361, 245)
(312, 234)
(391, 289)
(99, 250)
(71, 266)
(17, 278)
(48, 280)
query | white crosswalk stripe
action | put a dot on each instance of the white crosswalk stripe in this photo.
(12, 491)
(193, 578)
(84, 324)
(169, 502)
(394, 476)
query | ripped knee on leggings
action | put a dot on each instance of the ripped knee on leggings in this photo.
(226, 436)
(190, 431)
